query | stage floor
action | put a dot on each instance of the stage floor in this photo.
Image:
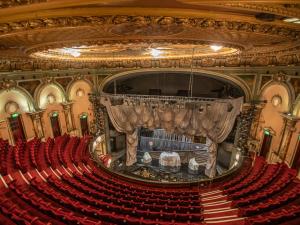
(154, 172)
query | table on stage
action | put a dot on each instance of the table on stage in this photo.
(170, 161)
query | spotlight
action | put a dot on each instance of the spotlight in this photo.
(216, 47)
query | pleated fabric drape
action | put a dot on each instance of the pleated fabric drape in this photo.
(213, 120)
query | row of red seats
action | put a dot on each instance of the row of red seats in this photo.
(19, 152)
(16, 215)
(271, 203)
(3, 156)
(242, 174)
(70, 148)
(110, 179)
(257, 171)
(93, 182)
(48, 149)
(34, 148)
(284, 178)
(276, 216)
(270, 174)
(89, 198)
(121, 207)
(56, 156)
(72, 209)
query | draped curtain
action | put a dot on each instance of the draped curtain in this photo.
(213, 120)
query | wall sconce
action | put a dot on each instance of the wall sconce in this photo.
(276, 100)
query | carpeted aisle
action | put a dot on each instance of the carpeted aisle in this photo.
(218, 210)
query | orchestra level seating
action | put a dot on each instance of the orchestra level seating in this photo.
(56, 182)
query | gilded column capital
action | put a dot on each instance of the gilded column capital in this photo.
(36, 114)
(291, 120)
(36, 118)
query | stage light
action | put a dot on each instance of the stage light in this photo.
(216, 47)
(155, 52)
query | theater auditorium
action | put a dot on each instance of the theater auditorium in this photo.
(153, 112)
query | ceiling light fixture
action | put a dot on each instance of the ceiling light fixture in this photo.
(216, 47)
(155, 52)
(291, 20)
(72, 51)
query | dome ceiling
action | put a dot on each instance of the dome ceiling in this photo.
(141, 30)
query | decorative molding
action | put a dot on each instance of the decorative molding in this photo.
(278, 9)
(146, 22)
(13, 3)
(280, 77)
(8, 84)
(234, 61)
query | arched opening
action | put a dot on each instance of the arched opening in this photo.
(55, 125)
(16, 127)
(84, 124)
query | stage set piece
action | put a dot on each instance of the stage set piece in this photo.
(207, 117)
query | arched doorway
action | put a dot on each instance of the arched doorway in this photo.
(16, 127)
(54, 119)
(84, 124)
(266, 144)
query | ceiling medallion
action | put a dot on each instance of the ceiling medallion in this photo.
(135, 51)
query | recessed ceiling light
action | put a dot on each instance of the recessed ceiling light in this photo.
(216, 47)
(155, 52)
(291, 20)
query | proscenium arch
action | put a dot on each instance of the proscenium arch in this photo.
(234, 79)
(41, 87)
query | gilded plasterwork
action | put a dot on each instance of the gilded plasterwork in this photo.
(133, 51)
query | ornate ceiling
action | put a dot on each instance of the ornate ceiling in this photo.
(250, 32)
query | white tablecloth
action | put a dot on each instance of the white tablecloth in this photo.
(171, 159)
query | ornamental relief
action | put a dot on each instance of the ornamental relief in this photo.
(290, 10)
(174, 25)
(32, 64)
(13, 3)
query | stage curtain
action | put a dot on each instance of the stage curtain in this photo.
(213, 120)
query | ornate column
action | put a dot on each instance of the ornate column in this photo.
(99, 114)
(290, 122)
(36, 118)
(101, 122)
(256, 118)
(244, 121)
(67, 107)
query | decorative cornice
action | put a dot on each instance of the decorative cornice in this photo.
(13, 3)
(148, 21)
(234, 61)
(270, 8)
